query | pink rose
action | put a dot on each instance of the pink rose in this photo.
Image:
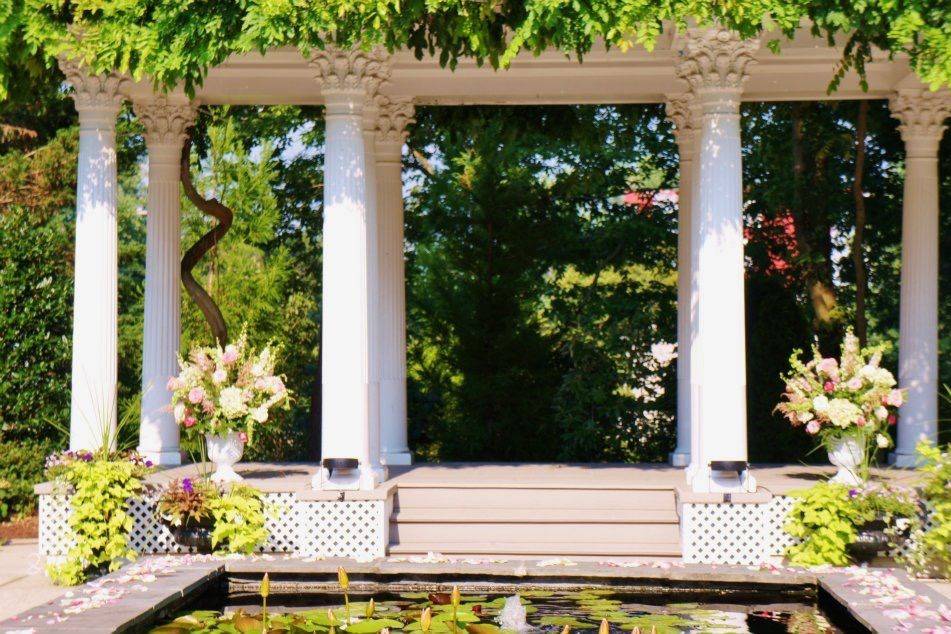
(242, 436)
(829, 366)
(813, 427)
(829, 386)
(196, 395)
(230, 355)
(190, 421)
(892, 419)
(860, 421)
(895, 398)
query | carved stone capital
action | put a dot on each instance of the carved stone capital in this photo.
(683, 110)
(922, 115)
(714, 63)
(165, 124)
(395, 115)
(101, 93)
(351, 70)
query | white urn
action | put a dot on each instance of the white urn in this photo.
(224, 452)
(848, 454)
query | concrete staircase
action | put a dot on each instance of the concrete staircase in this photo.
(536, 519)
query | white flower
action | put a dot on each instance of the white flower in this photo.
(259, 414)
(179, 412)
(843, 413)
(805, 417)
(257, 369)
(664, 352)
(882, 441)
(219, 376)
(232, 403)
(902, 523)
(820, 403)
(881, 412)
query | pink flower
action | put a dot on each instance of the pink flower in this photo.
(173, 384)
(243, 436)
(829, 386)
(190, 421)
(230, 355)
(829, 366)
(208, 406)
(855, 383)
(196, 395)
(219, 376)
(895, 398)
(813, 427)
(892, 419)
(860, 421)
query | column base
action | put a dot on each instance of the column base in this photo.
(679, 458)
(903, 460)
(162, 458)
(361, 479)
(398, 458)
(704, 480)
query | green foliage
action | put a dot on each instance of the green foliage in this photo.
(21, 466)
(177, 42)
(824, 519)
(100, 490)
(239, 520)
(931, 546)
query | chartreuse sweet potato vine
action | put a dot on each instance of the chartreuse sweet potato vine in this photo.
(175, 41)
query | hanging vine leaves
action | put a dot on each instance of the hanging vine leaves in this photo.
(176, 42)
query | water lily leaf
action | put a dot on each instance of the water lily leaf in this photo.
(482, 628)
(561, 621)
(371, 626)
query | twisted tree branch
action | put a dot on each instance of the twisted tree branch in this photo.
(206, 243)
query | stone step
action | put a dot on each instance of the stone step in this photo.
(523, 515)
(633, 551)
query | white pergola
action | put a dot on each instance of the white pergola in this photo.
(702, 75)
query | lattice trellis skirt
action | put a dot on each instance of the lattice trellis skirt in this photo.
(731, 533)
(353, 528)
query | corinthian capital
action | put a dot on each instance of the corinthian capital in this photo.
(395, 114)
(715, 59)
(683, 111)
(351, 70)
(165, 123)
(93, 92)
(922, 115)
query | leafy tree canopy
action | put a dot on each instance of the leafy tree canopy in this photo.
(176, 42)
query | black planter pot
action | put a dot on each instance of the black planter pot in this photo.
(870, 541)
(196, 536)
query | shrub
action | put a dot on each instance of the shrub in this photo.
(239, 520)
(21, 467)
(930, 552)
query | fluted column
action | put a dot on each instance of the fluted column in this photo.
(95, 298)
(922, 115)
(682, 112)
(350, 422)
(714, 64)
(394, 116)
(165, 129)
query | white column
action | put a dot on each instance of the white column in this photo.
(95, 302)
(165, 129)
(922, 115)
(349, 427)
(714, 64)
(395, 114)
(682, 112)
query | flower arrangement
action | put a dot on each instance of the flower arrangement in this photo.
(221, 390)
(848, 397)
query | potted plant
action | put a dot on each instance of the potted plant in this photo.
(848, 403)
(184, 507)
(886, 515)
(223, 394)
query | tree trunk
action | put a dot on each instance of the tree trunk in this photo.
(858, 259)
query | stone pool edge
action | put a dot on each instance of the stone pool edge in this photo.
(143, 601)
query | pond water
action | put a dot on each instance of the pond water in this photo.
(535, 610)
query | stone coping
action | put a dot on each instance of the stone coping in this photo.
(129, 598)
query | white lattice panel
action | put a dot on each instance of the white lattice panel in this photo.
(354, 528)
(730, 533)
(328, 529)
(54, 525)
